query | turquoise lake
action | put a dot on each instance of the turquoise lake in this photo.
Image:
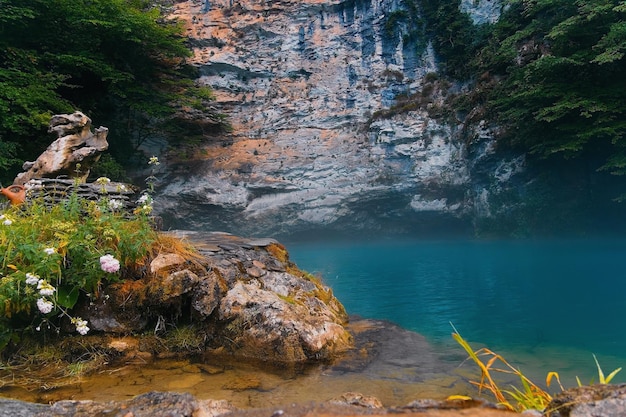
(544, 305)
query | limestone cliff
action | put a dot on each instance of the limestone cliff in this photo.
(312, 88)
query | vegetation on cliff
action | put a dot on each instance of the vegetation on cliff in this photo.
(550, 72)
(120, 61)
(549, 76)
(562, 77)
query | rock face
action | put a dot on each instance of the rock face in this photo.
(589, 401)
(245, 298)
(72, 153)
(312, 89)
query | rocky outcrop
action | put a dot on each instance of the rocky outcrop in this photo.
(314, 91)
(72, 154)
(244, 296)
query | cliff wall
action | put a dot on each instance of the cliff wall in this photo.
(314, 90)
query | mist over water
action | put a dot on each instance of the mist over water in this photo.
(545, 304)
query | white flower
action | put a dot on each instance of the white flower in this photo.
(154, 161)
(45, 288)
(32, 279)
(50, 251)
(81, 325)
(44, 305)
(103, 180)
(7, 222)
(115, 204)
(145, 198)
(109, 264)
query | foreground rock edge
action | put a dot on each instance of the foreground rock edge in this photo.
(596, 400)
(157, 404)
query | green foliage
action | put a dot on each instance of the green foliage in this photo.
(455, 38)
(51, 256)
(563, 77)
(119, 61)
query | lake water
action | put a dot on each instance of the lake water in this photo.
(544, 305)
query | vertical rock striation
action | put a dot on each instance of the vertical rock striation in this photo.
(312, 88)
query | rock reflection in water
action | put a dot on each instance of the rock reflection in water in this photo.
(392, 364)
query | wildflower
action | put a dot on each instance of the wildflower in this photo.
(32, 279)
(45, 288)
(103, 181)
(154, 161)
(81, 325)
(44, 305)
(115, 204)
(145, 198)
(49, 251)
(109, 264)
(7, 222)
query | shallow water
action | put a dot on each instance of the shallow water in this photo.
(394, 365)
(546, 305)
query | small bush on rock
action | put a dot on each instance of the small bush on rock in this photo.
(52, 255)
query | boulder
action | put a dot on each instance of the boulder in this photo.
(245, 298)
(72, 154)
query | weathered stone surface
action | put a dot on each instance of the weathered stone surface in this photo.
(589, 401)
(50, 191)
(279, 314)
(310, 88)
(159, 404)
(75, 145)
(165, 260)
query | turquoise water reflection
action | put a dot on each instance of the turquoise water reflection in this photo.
(549, 304)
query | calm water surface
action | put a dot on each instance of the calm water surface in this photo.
(544, 305)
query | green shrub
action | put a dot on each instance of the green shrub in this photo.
(52, 255)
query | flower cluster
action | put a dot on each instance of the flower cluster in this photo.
(45, 288)
(5, 220)
(115, 204)
(103, 181)
(109, 264)
(145, 204)
(81, 325)
(44, 305)
(47, 305)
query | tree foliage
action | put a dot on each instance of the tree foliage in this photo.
(562, 72)
(119, 61)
